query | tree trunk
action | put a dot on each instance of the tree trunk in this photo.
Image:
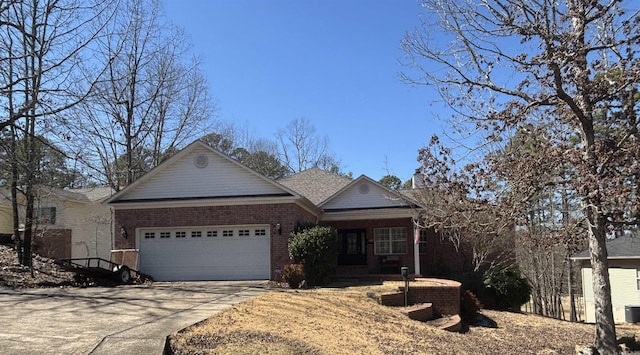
(605, 337)
(14, 193)
(572, 300)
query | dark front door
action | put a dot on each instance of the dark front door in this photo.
(353, 247)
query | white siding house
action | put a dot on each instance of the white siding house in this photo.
(624, 273)
(70, 223)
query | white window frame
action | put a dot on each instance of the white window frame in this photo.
(181, 234)
(422, 243)
(165, 235)
(390, 241)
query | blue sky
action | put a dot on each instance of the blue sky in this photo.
(334, 62)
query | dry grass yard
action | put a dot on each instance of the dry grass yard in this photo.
(346, 321)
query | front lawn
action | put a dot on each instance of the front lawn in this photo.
(346, 321)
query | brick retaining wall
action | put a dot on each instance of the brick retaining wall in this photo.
(444, 294)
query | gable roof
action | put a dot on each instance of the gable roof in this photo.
(315, 184)
(364, 193)
(91, 194)
(625, 247)
(200, 172)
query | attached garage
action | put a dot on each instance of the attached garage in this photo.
(205, 253)
(201, 215)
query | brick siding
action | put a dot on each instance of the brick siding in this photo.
(288, 215)
(420, 312)
(374, 261)
(445, 298)
(53, 243)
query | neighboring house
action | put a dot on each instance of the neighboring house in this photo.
(624, 274)
(201, 215)
(6, 218)
(69, 223)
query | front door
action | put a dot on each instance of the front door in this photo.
(353, 247)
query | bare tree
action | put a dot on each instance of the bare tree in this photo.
(301, 148)
(43, 42)
(151, 99)
(257, 154)
(457, 206)
(567, 65)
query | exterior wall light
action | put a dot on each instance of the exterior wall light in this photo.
(123, 232)
(278, 229)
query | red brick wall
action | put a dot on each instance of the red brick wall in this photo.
(373, 260)
(445, 298)
(53, 243)
(440, 257)
(288, 215)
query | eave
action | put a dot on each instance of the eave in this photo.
(375, 213)
(216, 201)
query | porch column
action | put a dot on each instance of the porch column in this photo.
(416, 248)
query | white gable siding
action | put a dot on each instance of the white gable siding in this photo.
(90, 226)
(363, 195)
(6, 220)
(220, 177)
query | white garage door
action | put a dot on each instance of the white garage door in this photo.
(206, 253)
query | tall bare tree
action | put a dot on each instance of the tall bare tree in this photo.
(300, 147)
(150, 101)
(501, 64)
(42, 43)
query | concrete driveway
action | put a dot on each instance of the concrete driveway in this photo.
(122, 320)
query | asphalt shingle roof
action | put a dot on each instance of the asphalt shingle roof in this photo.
(315, 184)
(625, 247)
(85, 194)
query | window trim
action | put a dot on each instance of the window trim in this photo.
(390, 240)
(423, 242)
(50, 215)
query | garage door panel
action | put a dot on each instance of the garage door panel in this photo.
(205, 258)
(217, 273)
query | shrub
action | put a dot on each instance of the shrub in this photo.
(317, 249)
(469, 307)
(509, 289)
(293, 274)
